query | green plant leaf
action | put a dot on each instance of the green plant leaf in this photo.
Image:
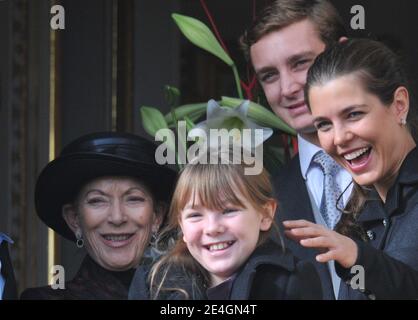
(200, 35)
(189, 123)
(260, 114)
(152, 120)
(193, 111)
(172, 95)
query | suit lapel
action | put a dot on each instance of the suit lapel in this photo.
(294, 204)
(291, 192)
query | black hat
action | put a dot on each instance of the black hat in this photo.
(92, 156)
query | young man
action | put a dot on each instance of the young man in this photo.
(7, 278)
(282, 45)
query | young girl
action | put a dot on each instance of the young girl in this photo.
(223, 250)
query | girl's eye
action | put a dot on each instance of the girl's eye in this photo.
(230, 210)
(192, 215)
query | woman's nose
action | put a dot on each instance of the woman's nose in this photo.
(117, 214)
(342, 136)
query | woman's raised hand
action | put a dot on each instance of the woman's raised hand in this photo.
(335, 246)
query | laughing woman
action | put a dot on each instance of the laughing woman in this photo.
(359, 98)
(106, 193)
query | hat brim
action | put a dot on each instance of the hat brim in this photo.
(63, 178)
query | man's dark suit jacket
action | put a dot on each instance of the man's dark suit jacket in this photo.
(294, 203)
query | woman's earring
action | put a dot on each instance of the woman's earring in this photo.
(403, 121)
(80, 241)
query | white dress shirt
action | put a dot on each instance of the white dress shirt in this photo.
(313, 175)
(314, 180)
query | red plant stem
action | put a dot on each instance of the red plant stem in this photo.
(248, 88)
(286, 147)
(251, 84)
(295, 145)
(212, 23)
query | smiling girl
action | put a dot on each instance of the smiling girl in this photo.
(223, 251)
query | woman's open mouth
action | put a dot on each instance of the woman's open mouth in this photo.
(357, 160)
(117, 240)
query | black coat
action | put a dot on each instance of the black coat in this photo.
(269, 273)
(92, 282)
(293, 204)
(9, 291)
(390, 257)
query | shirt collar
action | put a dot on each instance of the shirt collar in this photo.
(5, 238)
(307, 151)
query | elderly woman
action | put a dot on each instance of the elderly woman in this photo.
(106, 193)
(359, 97)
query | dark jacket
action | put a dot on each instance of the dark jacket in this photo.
(9, 290)
(293, 204)
(91, 282)
(269, 273)
(390, 257)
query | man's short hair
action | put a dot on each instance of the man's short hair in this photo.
(282, 13)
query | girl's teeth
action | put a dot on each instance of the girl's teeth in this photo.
(355, 154)
(219, 246)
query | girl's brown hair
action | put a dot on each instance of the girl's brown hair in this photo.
(213, 185)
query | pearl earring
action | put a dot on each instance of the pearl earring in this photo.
(403, 121)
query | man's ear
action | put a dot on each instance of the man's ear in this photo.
(267, 219)
(71, 217)
(342, 39)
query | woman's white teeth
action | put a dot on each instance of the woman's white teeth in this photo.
(220, 246)
(355, 154)
(117, 237)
